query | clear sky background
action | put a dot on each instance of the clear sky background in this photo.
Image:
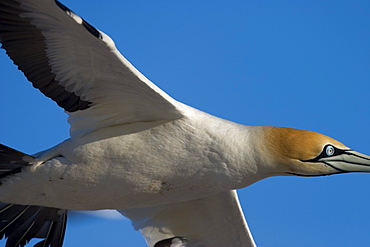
(300, 64)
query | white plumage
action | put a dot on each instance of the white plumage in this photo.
(170, 168)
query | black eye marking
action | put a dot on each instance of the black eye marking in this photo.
(328, 151)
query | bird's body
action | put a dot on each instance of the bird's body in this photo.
(170, 168)
(148, 164)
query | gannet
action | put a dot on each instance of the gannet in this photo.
(175, 167)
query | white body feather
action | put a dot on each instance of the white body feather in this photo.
(180, 160)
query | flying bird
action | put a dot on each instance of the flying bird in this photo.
(170, 168)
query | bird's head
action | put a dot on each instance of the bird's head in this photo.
(307, 153)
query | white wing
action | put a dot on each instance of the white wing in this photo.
(213, 221)
(79, 67)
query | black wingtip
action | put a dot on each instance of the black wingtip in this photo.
(169, 242)
(12, 161)
(27, 46)
(19, 224)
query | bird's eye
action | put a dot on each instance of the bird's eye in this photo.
(330, 150)
(327, 151)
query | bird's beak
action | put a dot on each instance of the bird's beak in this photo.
(349, 161)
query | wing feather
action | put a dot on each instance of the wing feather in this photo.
(213, 221)
(20, 223)
(79, 67)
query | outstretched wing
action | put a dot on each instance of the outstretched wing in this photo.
(79, 67)
(213, 221)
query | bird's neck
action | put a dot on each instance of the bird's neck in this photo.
(239, 147)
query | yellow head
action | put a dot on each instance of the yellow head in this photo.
(307, 153)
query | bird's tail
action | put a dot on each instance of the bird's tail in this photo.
(21, 223)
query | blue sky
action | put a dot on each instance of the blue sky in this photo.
(300, 64)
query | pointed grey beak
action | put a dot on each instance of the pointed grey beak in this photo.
(349, 161)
